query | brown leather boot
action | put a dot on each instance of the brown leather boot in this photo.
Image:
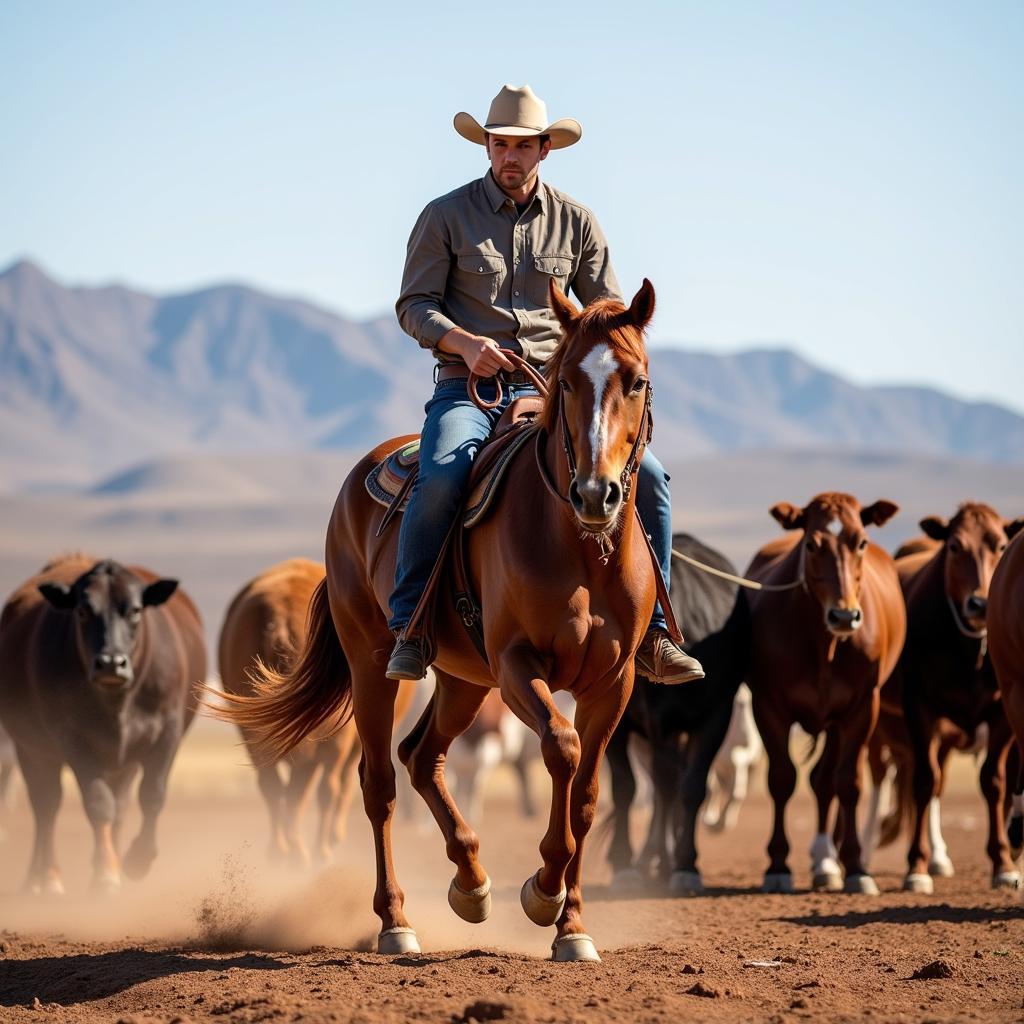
(663, 661)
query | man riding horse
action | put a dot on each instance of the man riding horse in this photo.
(477, 273)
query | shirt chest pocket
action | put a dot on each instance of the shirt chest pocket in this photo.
(480, 275)
(542, 270)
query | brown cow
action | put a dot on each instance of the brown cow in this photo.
(821, 650)
(266, 622)
(1006, 645)
(97, 667)
(944, 681)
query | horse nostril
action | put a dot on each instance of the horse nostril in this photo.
(613, 495)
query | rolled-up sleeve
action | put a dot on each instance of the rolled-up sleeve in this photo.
(595, 278)
(427, 261)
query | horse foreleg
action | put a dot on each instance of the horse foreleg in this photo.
(373, 702)
(527, 694)
(451, 711)
(599, 715)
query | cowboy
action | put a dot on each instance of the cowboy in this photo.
(476, 278)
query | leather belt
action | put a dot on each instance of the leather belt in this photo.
(459, 371)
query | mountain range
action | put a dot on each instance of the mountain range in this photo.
(96, 380)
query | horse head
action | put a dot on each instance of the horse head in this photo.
(832, 556)
(972, 542)
(600, 401)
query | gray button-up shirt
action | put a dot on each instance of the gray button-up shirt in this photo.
(474, 262)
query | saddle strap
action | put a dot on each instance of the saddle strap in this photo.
(659, 582)
(396, 503)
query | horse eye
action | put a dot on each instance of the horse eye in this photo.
(639, 384)
(564, 384)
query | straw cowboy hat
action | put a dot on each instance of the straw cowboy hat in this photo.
(518, 111)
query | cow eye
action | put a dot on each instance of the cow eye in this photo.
(955, 546)
(862, 545)
(135, 613)
(1001, 548)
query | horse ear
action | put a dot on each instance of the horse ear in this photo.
(878, 514)
(1013, 527)
(562, 306)
(59, 595)
(641, 309)
(157, 593)
(935, 527)
(789, 516)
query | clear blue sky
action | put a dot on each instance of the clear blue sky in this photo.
(844, 178)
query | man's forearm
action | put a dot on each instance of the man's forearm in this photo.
(456, 342)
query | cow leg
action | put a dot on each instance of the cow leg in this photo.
(926, 774)
(878, 769)
(271, 787)
(100, 805)
(598, 716)
(826, 875)
(620, 850)
(939, 862)
(156, 767)
(333, 755)
(42, 781)
(450, 713)
(522, 768)
(852, 737)
(993, 786)
(122, 787)
(665, 778)
(304, 771)
(347, 789)
(774, 730)
(701, 751)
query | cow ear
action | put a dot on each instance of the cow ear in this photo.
(789, 516)
(59, 595)
(562, 306)
(1013, 527)
(157, 593)
(641, 309)
(878, 514)
(935, 527)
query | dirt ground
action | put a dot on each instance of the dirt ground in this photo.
(217, 934)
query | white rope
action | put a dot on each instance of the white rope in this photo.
(742, 581)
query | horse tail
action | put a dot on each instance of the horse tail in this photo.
(312, 694)
(901, 817)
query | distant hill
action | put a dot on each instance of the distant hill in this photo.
(96, 380)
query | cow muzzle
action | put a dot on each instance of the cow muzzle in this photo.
(111, 670)
(843, 621)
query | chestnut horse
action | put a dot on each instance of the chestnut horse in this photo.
(826, 636)
(567, 586)
(1006, 646)
(266, 623)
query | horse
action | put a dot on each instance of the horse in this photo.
(1006, 649)
(266, 623)
(944, 684)
(99, 664)
(718, 625)
(566, 582)
(828, 627)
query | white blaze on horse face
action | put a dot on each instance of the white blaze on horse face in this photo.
(599, 365)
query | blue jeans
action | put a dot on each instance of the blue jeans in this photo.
(453, 433)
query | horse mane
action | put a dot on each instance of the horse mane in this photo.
(605, 320)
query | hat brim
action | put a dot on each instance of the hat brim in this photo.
(564, 132)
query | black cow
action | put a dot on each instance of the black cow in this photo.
(684, 725)
(97, 667)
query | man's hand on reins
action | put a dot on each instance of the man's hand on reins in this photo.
(482, 355)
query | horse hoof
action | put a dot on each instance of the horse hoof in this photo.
(51, 886)
(627, 880)
(107, 883)
(779, 881)
(568, 948)
(860, 884)
(541, 908)
(827, 881)
(917, 882)
(473, 906)
(393, 941)
(941, 868)
(1006, 880)
(686, 883)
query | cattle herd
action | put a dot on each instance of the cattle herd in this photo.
(891, 661)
